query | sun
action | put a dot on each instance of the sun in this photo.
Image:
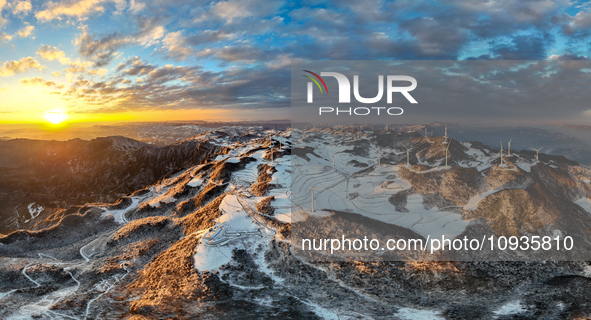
(55, 117)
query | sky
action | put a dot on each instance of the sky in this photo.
(119, 60)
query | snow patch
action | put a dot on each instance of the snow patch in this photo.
(584, 203)
(155, 203)
(34, 210)
(510, 308)
(233, 160)
(234, 218)
(475, 200)
(417, 314)
(195, 182)
(525, 166)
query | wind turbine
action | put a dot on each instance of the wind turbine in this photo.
(502, 163)
(312, 190)
(407, 156)
(509, 147)
(449, 144)
(379, 154)
(332, 158)
(272, 160)
(537, 151)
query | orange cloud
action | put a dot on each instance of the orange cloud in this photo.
(37, 81)
(25, 32)
(75, 8)
(21, 7)
(20, 66)
(48, 52)
(2, 4)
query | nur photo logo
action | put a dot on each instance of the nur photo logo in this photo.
(344, 95)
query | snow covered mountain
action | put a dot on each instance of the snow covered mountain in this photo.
(38, 177)
(209, 233)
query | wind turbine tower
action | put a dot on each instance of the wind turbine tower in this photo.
(332, 159)
(408, 156)
(509, 147)
(537, 151)
(445, 137)
(312, 190)
(446, 150)
(379, 154)
(502, 161)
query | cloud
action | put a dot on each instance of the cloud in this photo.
(436, 38)
(2, 4)
(25, 32)
(19, 7)
(37, 81)
(207, 36)
(234, 9)
(526, 47)
(21, 66)
(578, 25)
(176, 46)
(250, 43)
(135, 67)
(567, 56)
(78, 66)
(136, 6)
(102, 50)
(48, 52)
(100, 72)
(73, 8)
(240, 53)
(152, 36)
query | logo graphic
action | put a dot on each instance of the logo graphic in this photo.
(345, 87)
(345, 92)
(310, 84)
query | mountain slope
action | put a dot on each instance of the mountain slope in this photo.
(39, 177)
(193, 245)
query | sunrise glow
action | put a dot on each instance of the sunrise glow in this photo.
(55, 117)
